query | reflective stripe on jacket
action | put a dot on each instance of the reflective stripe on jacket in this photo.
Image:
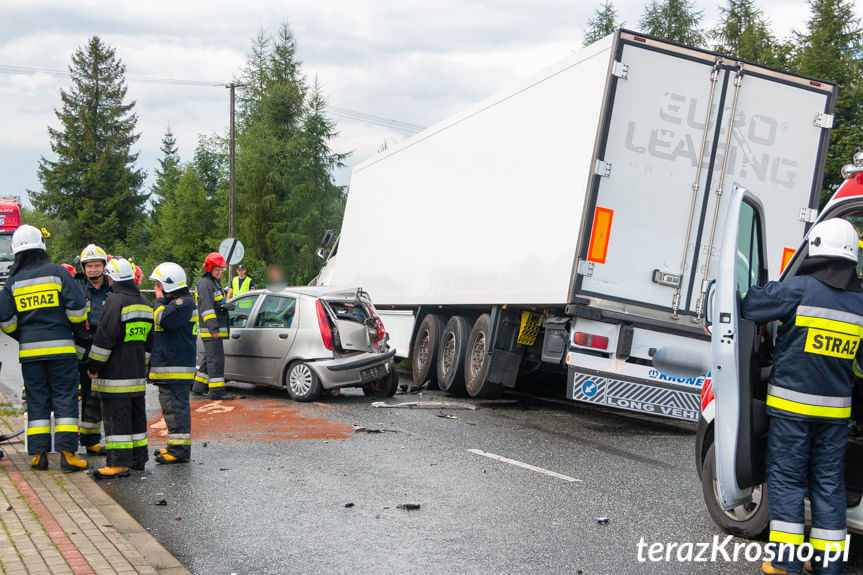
(817, 346)
(212, 317)
(122, 343)
(43, 308)
(174, 353)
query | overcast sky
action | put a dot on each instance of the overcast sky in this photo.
(411, 61)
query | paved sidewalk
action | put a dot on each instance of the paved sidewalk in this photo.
(54, 523)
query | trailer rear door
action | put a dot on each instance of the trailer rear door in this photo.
(661, 159)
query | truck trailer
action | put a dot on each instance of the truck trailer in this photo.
(10, 220)
(573, 220)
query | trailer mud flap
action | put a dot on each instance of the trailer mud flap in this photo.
(633, 396)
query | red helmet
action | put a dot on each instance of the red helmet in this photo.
(139, 275)
(69, 269)
(214, 260)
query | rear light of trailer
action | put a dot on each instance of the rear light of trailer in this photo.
(590, 340)
(324, 326)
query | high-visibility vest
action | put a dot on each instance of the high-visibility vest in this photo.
(240, 285)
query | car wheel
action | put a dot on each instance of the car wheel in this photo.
(477, 361)
(302, 383)
(384, 387)
(425, 350)
(451, 354)
(749, 520)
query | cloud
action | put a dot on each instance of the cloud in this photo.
(407, 60)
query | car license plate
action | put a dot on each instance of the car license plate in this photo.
(373, 373)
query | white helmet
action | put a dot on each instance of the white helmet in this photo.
(93, 253)
(170, 275)
(120, 270)
(834, 238)
(27, 238)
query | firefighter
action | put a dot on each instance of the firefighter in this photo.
(43, 309)
(817, 353)
(96, 290)
(213, 328)
(172, 365)
(241, 284)
(118, 365)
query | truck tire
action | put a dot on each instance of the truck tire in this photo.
(750, 520)
(477, 361)
(451, 355)
(424, 357)
(384, 387)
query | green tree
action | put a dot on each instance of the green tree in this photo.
(168, 172)
(603, 23)
(285, 194)
(93, 184)
(186, 231)
(675, 20)
(832, 49)
(743, 32)
(59, 245)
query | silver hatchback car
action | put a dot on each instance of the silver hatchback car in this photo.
(309, 339)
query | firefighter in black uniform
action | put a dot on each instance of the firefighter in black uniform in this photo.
(213, 328)
(96, 290)
(172, 365)
(809, 393)
(43, 309)
(118, 365)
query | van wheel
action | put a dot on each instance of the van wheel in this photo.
(477, 361)
(384, 387)
(302, 383)
(749, 520)
(450, 360)
(425, 350)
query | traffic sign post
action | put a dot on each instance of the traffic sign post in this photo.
(233, 251)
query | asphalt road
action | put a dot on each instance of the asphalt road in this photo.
(270, 492)
(271, 481)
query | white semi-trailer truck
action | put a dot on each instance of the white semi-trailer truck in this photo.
(573, 220)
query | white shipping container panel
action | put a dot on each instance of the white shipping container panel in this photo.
(483, 208)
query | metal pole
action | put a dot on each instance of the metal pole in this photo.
(232, 87)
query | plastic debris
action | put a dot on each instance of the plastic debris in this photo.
(446, 416)
(408, 506)
(361, 429)
(160, 502)
(602, 520)
(426, 405)
(348, 505)
(204, 444)
(224, 469)
(9, 508)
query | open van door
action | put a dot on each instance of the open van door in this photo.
(740, 427)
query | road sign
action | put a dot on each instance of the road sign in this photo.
(232, 250)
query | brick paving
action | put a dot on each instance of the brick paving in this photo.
(65, 524)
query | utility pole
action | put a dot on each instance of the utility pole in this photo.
(232, 86)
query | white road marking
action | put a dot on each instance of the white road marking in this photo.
(524, 465)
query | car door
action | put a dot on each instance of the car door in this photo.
(740, 426)
(237, 352)
(269, 337)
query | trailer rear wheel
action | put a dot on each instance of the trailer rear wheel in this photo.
(477, 361)
(425, 350)
(451, 355)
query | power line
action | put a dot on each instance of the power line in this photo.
(334, 110)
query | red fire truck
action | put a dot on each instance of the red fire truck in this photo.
(10, 219)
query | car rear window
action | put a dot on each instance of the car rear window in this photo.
(348, 310)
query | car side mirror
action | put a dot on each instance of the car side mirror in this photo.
(328, 239)
(321, 253)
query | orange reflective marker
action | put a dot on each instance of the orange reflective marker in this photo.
(787, 254)
(599, 236)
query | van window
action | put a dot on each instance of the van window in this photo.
(749, 249)
(857, 221)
